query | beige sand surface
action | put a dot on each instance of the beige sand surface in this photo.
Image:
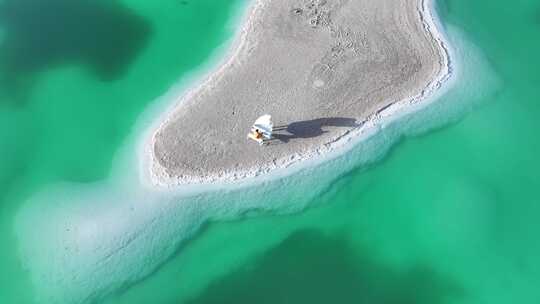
(321, 68)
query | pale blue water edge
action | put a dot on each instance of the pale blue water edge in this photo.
(114, 234)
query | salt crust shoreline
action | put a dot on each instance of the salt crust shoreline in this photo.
(153, 175)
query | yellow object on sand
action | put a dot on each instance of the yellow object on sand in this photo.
(262, 129)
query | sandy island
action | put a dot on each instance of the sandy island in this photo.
(321, 68)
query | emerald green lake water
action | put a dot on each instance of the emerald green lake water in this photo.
(450, 216)
(74, 77)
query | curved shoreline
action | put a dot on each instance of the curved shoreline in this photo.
(155, 175)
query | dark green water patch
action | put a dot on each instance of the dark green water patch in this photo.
(311, 267)
(103, 35)
(61, 122)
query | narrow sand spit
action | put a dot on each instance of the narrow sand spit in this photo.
(321, 68)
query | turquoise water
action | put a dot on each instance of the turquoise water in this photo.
(446, 217)
(74, 77)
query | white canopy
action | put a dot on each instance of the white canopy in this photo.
(264, 125)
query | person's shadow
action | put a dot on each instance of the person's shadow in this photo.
(310, 128)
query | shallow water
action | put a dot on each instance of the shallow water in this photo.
(445, 217)
(74, 77)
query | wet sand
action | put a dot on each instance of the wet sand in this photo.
(322, 69)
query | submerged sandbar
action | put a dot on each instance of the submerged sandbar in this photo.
(321, 68)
